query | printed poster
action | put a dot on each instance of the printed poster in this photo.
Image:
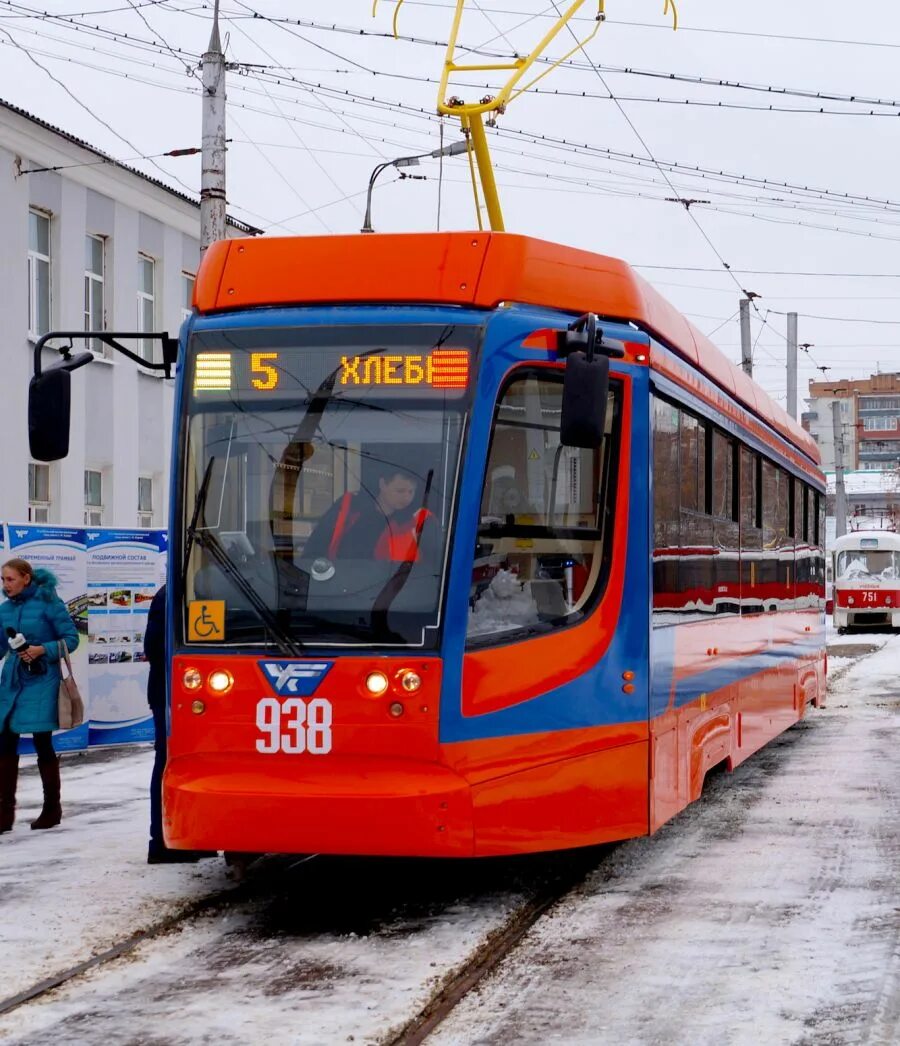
(122, 577)
(61, 551)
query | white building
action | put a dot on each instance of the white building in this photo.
(88, 243)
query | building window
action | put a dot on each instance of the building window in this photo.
(93, 498)
(38, 274)
(94, 316)
(884, 423)
(145, 501)
(38, 493)
(187, 295)
(146, 303)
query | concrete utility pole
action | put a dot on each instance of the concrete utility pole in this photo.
(746, 357)
(792, 364)
(212, 184)
(840, 495)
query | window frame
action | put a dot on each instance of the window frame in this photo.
(608, 480)
(187, 307)
(93, 511)
(95, 283)
(146, 347)
(35, 258)
(38, 507)
(145, 514)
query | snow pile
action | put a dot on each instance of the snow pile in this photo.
(505, 604)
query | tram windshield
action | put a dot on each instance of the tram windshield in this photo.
(320, 474)
(868, 565)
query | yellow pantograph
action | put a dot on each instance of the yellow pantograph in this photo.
(471, 114)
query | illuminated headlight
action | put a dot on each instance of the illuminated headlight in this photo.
(376, 683)
(191, 680)
(410, 681)
(220, 681)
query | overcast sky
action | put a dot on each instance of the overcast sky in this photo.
(305, 139)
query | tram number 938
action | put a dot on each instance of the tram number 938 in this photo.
(294, 726)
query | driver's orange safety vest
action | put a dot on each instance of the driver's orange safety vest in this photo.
(395, 544)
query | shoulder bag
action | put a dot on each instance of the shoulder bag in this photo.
(71, 704)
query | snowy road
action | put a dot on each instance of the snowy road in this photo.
(769, 912)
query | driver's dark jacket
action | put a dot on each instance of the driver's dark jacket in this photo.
(356, 528)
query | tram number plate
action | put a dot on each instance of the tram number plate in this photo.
(868, 597)
(294, 726)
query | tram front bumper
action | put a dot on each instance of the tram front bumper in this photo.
(364, 806)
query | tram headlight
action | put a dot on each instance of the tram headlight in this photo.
(410, 681)
(191, 680)
(220, 681)
(198, 708)
(888, 601)
(851, 600)
(376, 683)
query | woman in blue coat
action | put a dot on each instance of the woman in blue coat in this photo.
(29, 682)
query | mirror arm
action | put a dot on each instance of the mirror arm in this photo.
(584, 335)
(169, 348)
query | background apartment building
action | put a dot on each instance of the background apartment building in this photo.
(870, 420)
(89, 244)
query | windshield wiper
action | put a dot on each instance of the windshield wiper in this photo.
(207, 540)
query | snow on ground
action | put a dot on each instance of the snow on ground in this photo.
(69, 892)
(343, 953)
(767, 913)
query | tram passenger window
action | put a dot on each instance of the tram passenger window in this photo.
(792, 518)
(666, 519)
(546, 517)
(805, 533)
(693, 463)
(722, 476)
(751, 533)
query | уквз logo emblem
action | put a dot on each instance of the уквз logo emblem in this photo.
(92, 537)
(295, 678)
(21, 533)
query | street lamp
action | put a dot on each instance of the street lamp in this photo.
(454, 149)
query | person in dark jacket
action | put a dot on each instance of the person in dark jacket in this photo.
(373, 525)
(29, 682)
(155, 652)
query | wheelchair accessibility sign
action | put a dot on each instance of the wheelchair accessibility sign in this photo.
(206, 621)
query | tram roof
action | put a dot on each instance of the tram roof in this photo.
(480, 269)
(887, 540)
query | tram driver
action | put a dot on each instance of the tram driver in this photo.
(379, 524)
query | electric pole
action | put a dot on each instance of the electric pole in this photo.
(746, 352)
(792, 364)
(840, 496)
(212, 184)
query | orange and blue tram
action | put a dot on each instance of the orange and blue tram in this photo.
(415, 607)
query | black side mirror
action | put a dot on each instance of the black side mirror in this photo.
(49, 409)
(585, 385)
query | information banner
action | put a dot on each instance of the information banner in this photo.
(61, 550)
(122, 577)
(161, 537)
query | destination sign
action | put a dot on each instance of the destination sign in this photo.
(340, 370)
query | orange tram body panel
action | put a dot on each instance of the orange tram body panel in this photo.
(579, 634)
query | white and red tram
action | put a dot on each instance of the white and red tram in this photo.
(867, 579)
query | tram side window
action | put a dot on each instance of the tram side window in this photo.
(666, 501)
(722, 476)
(692, 457)
(546, 517)
(751, 532)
